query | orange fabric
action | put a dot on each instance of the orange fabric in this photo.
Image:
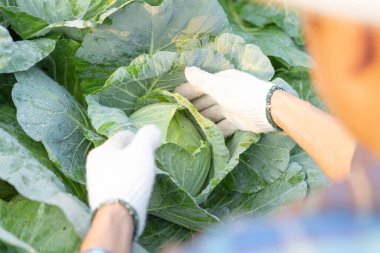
(347, 73)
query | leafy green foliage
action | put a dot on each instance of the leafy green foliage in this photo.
(10, 243)
(196, 166)
(44, 16)
(261, 15)
(158, 230)
(263, 164)
(275, 30)
(314, 176)
(6, 85)
(26, 167)
(75, 72)
(6, 45)
(7, 191)
(289, 188)
(60, 65)
(33, 222)
(48, 113)
(160, 28)
(300, 80)
(22, 55)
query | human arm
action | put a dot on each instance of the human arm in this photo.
(120, 177)
(111, 229)
(317, 132)
(238, 101)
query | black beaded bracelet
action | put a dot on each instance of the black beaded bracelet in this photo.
(268, 109)
(128, 207)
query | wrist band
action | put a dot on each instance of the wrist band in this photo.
(128, 207)
(268, 109)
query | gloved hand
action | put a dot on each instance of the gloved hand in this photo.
(123, 169)
(234, 100)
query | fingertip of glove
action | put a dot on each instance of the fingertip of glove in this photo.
(195, 75)
(201, 80)
(122, 135)
(119, 140)
(150, 135)
(191, 70)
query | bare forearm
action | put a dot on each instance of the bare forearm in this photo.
(112, 229)
(319, 134)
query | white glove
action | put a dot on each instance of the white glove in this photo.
(123, 168)
(233, 99)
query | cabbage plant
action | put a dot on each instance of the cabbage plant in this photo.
(73, 73)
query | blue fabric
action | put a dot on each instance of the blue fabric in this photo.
(96, 250)
(327, 233)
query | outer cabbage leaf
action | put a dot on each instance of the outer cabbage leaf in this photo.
(162, 71)
(43, 227)
(107, 121)
(60, 66)
(100, 10)
(272, 39)
(261, 165)
(276, 43)
(36, 18)
(261, 15)
(315, 178)
(48, 113)
(22, 55)
(6, 44)
(92, 77)
(262, 181)
(51, 11)
(23, 23)
(245, 57)
(160, 114)
(176, 205)
(159, 28)
(25, 166)
(239, 143)
(158, 232)
(288, 188)
(11, 240)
